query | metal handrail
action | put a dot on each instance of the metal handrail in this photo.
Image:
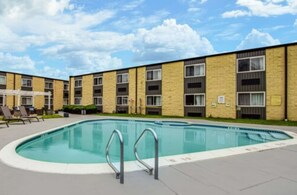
(150, 169)
(119, 174)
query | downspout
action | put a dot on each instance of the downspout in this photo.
(286, 83)
(136, 78)
(69, 90)
(14, 80)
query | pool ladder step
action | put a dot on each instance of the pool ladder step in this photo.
(149, 168)
(120, 173)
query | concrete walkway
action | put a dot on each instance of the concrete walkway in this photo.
(268, 172)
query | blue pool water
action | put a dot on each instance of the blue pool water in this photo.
(85, 142)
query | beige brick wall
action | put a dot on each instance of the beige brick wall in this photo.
(18, 85)
(38, 85)
(109, 92)
(292, 83)
(173, 89)
(275, 83)
(71, 91)
(58, 95)
(132, 90)
(141, 84)
(9, 85)
(221, 81)
(87, 90)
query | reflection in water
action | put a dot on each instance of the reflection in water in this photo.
(86, 142)
(194, 140)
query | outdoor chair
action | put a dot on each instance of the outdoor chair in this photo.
(9, 117)
(4, 123)
(24, 114)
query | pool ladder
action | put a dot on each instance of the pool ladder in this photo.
(120, 173)
(149, 168)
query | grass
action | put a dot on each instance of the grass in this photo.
(246, 121)
(45, 116)
(52, 116)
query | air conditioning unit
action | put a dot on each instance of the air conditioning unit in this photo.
(221, 99)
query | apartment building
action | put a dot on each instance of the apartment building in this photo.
(257, 83)
(16, 81)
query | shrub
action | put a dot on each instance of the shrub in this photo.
(76, 109)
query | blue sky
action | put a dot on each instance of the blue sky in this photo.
(59, 38)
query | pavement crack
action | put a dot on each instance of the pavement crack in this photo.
(258, 184)
(171, 189)
(203, 183)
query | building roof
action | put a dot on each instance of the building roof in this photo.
(192, 58)
(32, 75)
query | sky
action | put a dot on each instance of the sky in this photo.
(59, 38)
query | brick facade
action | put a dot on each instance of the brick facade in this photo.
(221, 81)
(173, 89)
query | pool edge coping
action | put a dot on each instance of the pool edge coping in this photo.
(9, 156)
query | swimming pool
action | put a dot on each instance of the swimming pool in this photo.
(85, 142)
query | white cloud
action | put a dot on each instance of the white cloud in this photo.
(17, 9)
(92, 62)
(169, 41)
(235, 14)
(263, 8)
(231, 32)
(196, 1)
(76, 39)
(11, 62)
(194, 9)
(70, 36)
(257, 39)
(128, 23)
(132, 5)
(193, 5)
(51, 72)
(90, 51)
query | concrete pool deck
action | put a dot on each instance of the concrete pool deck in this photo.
(266, 172)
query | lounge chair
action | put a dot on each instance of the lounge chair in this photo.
(4, 122)
(24, 114)
(9, 117)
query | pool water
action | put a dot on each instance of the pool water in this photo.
(85, 142)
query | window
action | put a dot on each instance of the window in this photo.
(46, 102)
(122, 100)
(122, 78)
(153, 75)
(77, 92)
(65, 101)
(153, 87)
(251, 64)
(122, 89)
(97, 90)
(153, 100)
(195, 70)
(97, 81)
(2, 80)
(2, 103)
(26, 82)
(98, 101)
(195, 100)
(26, 101)
(48, 84)
(250, 82)
(78, 83)
(77, 101)
(194, 85)
(253, 99)
(66, 86)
